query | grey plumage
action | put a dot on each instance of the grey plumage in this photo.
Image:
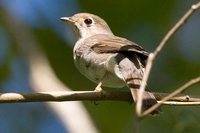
(103, 57)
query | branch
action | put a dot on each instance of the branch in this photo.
(91, 96)
(176, 92)
(153, 55)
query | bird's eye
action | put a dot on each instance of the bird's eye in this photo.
(88, 21)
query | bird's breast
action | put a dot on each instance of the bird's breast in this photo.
(94, 67)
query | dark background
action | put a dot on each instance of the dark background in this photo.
(144, 22)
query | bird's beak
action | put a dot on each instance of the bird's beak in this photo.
(67, 19)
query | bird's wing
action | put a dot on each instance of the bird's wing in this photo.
(113, 44)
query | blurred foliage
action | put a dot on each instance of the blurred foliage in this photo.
(61, 58)
(145, 22)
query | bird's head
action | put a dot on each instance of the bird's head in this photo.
(86, 25)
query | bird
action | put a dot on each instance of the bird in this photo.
(109, 60)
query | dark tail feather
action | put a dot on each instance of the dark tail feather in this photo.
(148, 100)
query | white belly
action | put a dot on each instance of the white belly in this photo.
(98, 71)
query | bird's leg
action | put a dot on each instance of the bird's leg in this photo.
(98, 88)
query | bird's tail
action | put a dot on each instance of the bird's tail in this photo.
(148, 97)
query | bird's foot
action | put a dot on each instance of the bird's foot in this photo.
(98, 88)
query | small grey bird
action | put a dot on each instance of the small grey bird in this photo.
(106, 59)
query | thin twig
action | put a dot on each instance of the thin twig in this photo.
(153, 55)
(180, 103)
(143, 84)
(176, 92)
